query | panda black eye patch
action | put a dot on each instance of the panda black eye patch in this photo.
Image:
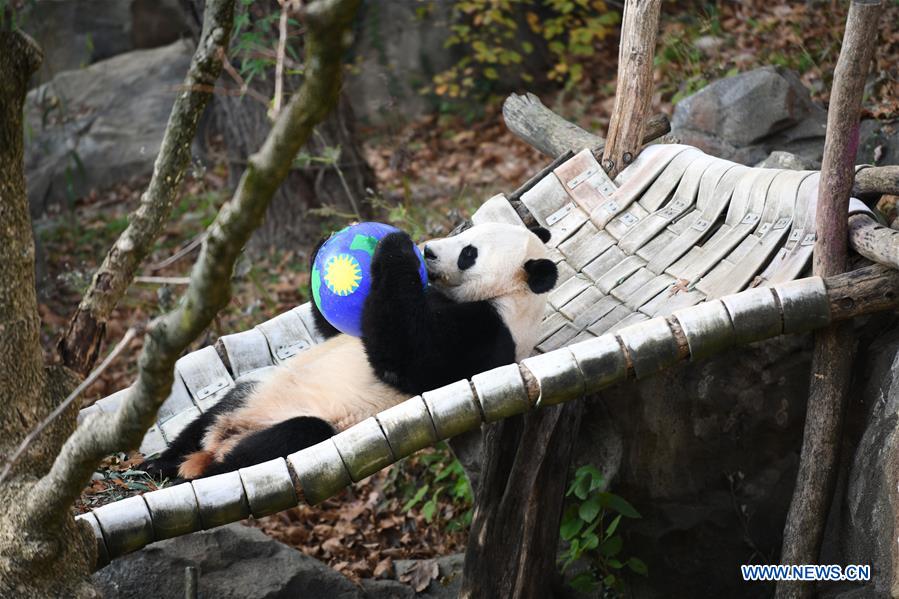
(467, 257)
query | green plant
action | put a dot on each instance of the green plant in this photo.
(591, 527)
(254, 37)
(440, 488)
(494, 36)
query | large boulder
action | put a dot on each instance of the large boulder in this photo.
(77, 33)
(242, 562)
(101, 125)
(234, 562)
(708, 455)
(745, 117)
(398, 54)
(869, 525)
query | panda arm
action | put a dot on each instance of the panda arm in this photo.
(418, 340)
(394, 314)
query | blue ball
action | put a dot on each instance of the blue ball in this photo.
(341, 274)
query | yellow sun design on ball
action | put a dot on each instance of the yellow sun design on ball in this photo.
(342, 274)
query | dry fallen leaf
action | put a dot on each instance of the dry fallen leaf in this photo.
(420, 575)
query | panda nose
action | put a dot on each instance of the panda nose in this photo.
(429, 253)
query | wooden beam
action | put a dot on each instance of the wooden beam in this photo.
(529, 119)
(873, 181)
(834, 346)
(633, 94)
(873, 240)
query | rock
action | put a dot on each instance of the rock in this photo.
(786, 160)
(77, 33)
(879, 142)
(870, 524)
(399, 52)
(745, 117)
(234, 562)
(161, 22)
(708, 455)
(101, 125)
(386, 589)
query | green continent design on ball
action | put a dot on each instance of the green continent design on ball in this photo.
(316, 286)
(342, 274)
(366, 243)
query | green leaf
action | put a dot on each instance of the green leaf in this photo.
(429, 509)
(582, 488)
(589, 509)
(416, 498)
(585, 582)
(570, 528)
(613, 526)
(591, 541)
(611, 546)
(619, 504)
(637, 565)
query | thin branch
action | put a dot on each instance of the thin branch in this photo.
(184, 251)
(81, 342)
(279, 61)
(130, 334)
(210, 287)
(244, 87)
(162, 280)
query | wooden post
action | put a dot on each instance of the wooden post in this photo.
(633, 94)
(514, 537)
(834, 346)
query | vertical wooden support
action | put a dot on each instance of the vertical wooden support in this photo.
(834, 347)
(633, 94)
(515, 530)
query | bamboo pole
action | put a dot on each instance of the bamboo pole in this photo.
(548, 381)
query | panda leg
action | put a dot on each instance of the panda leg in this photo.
(190, 440)
(276, 441)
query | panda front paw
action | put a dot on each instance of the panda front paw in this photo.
(395, 257)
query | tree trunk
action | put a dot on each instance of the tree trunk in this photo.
(28, 391)
(243, 122)
(512, 546)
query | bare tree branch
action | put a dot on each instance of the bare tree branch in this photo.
(834, 347)
(328, 34)
(80, 345)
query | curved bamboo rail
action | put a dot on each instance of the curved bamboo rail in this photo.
(637, 351)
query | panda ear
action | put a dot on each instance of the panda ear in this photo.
(540, 232)
(542, 274)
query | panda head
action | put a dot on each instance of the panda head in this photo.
(490, 261)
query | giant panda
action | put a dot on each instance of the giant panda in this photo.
(480, 310)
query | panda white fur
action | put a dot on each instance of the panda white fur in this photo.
(481, 310)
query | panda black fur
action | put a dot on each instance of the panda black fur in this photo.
(481, 311)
